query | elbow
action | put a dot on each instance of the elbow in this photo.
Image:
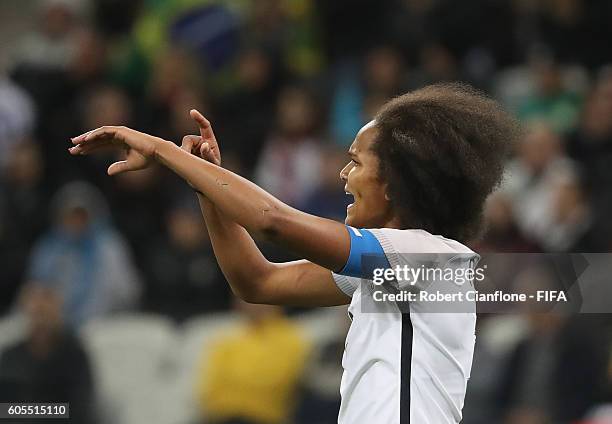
(271, 222)
(251, 298)
(252, 295)
(251, 287)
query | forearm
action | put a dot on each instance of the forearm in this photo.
(254, 279)
(241, 261)
(237, 198)
(319, 240)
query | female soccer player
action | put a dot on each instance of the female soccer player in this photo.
(419, 174)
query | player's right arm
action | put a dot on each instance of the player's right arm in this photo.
(255, 279)
(251, 276)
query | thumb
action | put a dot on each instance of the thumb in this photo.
(189, 142)
(118, 167)
(187, 145)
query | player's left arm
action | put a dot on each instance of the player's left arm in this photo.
(322, 241)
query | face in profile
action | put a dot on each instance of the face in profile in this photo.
(371, 208)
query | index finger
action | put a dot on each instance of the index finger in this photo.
(205, 128)
(94, 134)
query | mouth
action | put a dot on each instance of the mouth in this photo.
(348, 193)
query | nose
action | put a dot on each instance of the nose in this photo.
(344, 172)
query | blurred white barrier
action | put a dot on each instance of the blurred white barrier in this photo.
(324, 325)
(147, 369)
(12, 329)
(196, 338)
(131, 356)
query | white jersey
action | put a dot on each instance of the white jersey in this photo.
(402, 368)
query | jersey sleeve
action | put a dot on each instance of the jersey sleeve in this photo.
(365, 255)
(418, 249)
(348, 285)
(365, 250)
(363, 246)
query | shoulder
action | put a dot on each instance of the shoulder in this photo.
(416, 241)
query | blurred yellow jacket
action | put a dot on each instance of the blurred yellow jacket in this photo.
(254, 373)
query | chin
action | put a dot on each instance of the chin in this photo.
(352, 221)
(348, 220)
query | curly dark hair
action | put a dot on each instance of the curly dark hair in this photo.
(442, 151)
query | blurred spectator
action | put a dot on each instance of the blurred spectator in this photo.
(602, 413)
(13, 258)
(591, 146)
(254, 373)
(62, 94)
(575, 29)
(329, 199)
(288, 30)
(23, 192)
(290, 164)
(502, 233)
(531, 180)
(50, 364)
(320, 399)
(85, 257)
(183, 276)
(437, 64)
(139, 202)
(43, 66)
(481, 24)
(17, 117)
(53, 45)
(350, 27)
(89, 62)
(106, 105)
(551, 102)
(572, 227)
(409, 25)
(244, 114)
(385, 72)
(555, 374)
(23, 207)
(175, 87)
(497, 337)
(99, 105)
(358, 94)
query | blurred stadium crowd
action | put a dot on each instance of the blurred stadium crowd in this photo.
(109, 286)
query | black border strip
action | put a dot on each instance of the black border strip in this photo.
(405, 368)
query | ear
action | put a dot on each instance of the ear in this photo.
(387, 198)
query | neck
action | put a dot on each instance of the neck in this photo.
(393, 222)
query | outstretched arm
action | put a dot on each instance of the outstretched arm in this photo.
(232, 204)
(251, 276)
(323, 241)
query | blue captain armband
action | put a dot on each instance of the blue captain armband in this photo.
(366, 254)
